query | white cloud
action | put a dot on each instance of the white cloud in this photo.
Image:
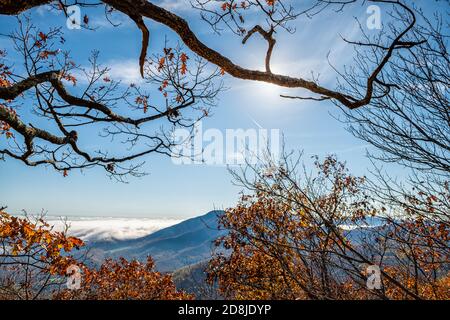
(92, 229)
(47, 9)
(126, 71)
(175, 5)
(117, 20)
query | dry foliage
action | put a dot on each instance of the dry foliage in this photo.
(34, 260)
(290, 239)
(33, 257)
(124, 280)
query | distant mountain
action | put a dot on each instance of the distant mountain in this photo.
(174, 247)
(187, 244)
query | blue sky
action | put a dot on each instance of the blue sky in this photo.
(184, 191)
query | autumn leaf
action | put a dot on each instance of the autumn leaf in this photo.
(46, 53)
(183, 58)
(162, 60)
(43, 36)
(71, 78)
(142, 101)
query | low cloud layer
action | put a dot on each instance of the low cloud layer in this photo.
(95, 229)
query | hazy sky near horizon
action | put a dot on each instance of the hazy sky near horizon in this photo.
(183, 191)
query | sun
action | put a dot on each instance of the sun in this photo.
(267, 90)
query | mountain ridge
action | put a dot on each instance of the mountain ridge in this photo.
(174, 247)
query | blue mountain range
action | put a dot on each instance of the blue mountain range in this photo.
(177, 246)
